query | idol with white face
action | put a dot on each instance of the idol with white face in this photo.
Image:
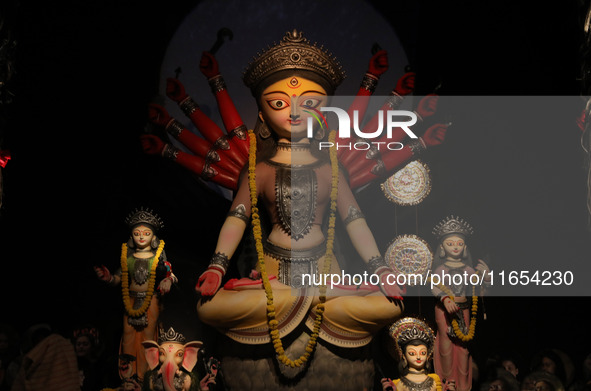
(453, 246)
(142, 236)
(286, 105)
(416, 356)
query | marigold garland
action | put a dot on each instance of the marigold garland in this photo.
(474, 311)
(257, 231)
(125, 282)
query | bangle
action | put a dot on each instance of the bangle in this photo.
(419, 118)
(220, 261)
(416, 146)
(175, 128)
(375, 263)
(369, 82)
(394, 100)
(217, 84)
(170, 152)
(240, 131)
(188, 106)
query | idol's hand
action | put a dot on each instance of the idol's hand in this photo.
(581, 119)
(206, 381)
(158, 114)
(164, 286)
(103, 273)
(378, 63)
(388, 385)
(449, 385)
(209, 65)
(428, 105)
(151, 144)
(130, 385)
(388, 284)
(209, 282)
(435, 135)
(483, 269)
(175, 90)
(450, 306)
(406, 84)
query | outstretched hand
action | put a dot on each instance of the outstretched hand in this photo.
(103, 273)
(209, 283)
(388, 285)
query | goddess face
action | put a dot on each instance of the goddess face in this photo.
(453, 246)
(142, 236)
(287, 104)
(416, 356)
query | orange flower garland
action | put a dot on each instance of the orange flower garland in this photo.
(257, 231)
(125, 282)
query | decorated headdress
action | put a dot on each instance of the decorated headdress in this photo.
(452, 225)
(294, 53)
(409, 329)
(170, 336)
(141, 216)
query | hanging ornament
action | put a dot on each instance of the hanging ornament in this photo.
(409, 255)
(409, 185)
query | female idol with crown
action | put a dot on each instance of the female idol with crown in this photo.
(413, 341)
(455, 311)
(301, 190)
(145, 274)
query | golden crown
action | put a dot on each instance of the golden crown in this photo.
(141, 216)
(294, 52)
(452, 225)
(409, 329)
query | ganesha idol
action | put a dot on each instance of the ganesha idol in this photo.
(288, 194)
(171, 360)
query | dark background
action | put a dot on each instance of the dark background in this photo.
(86, 71)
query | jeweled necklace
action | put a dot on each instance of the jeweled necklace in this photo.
(125, 282)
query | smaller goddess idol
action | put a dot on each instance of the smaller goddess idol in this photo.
(144, 276)
(414, 341)
(455, 314)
